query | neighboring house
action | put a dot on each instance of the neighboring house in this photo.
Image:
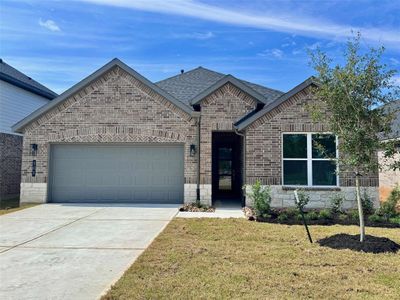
(116, 136)
(20, 95)
(388, 178)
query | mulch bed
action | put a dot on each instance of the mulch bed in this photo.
(193, 208)
(371, 244)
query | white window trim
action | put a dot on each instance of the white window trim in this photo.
(309, 160)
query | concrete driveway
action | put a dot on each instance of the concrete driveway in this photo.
(73, 251)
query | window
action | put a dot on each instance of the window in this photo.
(309, 159)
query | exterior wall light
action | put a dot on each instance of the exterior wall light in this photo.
(192, 150)
(34, 148)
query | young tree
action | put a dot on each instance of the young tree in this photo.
(354, 95)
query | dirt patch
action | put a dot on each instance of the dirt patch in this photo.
(191, 207)
(372, 244)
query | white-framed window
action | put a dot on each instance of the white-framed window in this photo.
(309, 159)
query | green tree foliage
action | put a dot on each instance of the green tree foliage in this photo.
(355, 95)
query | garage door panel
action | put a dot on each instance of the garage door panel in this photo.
(117, 173)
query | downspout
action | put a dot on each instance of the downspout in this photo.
(198, 161)
(244, 163)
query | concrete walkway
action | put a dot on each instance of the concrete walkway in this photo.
(73, 251)
(220, 212)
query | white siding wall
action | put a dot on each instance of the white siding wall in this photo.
(16, 104)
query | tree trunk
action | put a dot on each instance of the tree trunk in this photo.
(360, 208)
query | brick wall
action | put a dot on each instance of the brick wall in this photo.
(264, 142)
(387, 177)
(116, 108)
(219, 111)
(10, 165)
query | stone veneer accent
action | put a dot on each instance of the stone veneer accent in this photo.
(10, 165)
(282, 197)
(191, 193)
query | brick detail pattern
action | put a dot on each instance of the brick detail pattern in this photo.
(219, 111)
(264, 142)
(318, 198)
(10, 165)
(115, 108)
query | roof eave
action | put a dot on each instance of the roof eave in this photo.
(245, 123)
(231, 79)
(115, 62)
(27, 87)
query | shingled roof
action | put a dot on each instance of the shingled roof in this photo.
(188, 85)
(17, 78)
(395, 108)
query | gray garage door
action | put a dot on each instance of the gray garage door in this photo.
(116, 173)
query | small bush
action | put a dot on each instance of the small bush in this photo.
(343, 217)
(367, 204)
(375, 218)
(282, 217)
(388, 208)
(304, 198)
(312, 215)
(261, 197)
(325, 214)
(353, 214)
(291, 212)
(395, 220)
(337, 203)
(298, 217)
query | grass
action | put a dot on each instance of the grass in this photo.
(238, 259)
(11, 205)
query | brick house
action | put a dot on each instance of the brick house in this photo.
(117, 137)
(20, 95)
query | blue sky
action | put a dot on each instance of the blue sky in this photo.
(59, 43)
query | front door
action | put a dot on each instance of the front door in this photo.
(226, 166)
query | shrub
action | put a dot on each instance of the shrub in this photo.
(395, 220)
(291, 212)
(298, 217)
(325, 214)
(353, 214)
(367, 204)
(388, 208)
(375, 218)
(343, 217)
(312, 215)
(304, 198)
(337, 203)
(261, 197)
(282, 217)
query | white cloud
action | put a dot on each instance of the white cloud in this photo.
(314, 46)
(394, 61)
(396, 80)
(275, 53)
(195, 35)
(50, 25)
(294, 24)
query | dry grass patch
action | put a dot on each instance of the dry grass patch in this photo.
(9, 209)
(238, 259)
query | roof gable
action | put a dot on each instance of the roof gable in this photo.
(19, 79)
(85, 82)
(253, 116)
(189, 85)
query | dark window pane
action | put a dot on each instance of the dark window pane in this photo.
(225, 167)
(295, 172)
(225, 183)
(295, 146)
(324, 146)
(225, 153)
(324, 172)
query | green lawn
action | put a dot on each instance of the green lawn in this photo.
(11, 205)
(238, 259)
